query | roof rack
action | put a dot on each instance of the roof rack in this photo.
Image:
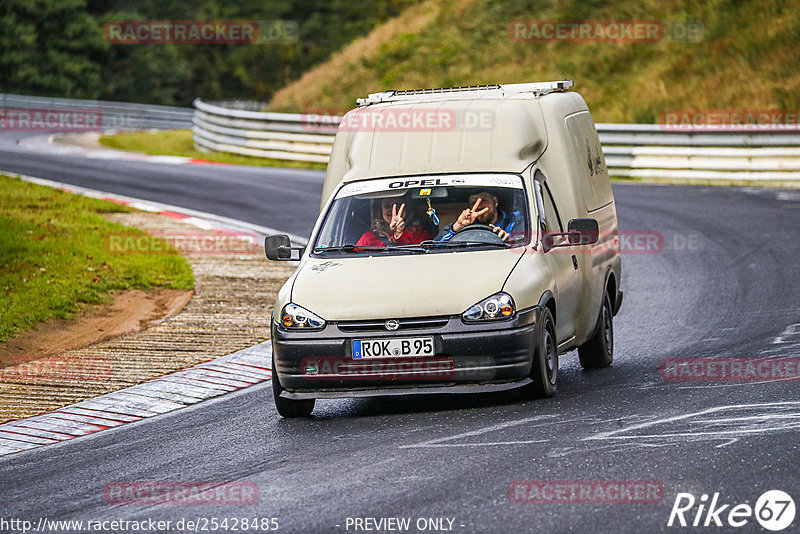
(537, 88)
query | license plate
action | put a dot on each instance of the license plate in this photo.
(392, 348)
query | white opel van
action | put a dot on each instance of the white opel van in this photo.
(467, 237)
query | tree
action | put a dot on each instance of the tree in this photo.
(50, 48)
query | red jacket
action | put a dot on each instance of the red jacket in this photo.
(410, 236)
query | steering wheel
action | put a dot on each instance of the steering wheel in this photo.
(477, 232)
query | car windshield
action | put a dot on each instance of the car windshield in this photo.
(416, 214)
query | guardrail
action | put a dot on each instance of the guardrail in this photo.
(113, 115)
(259, 134)
(656, 151)
(634, 150)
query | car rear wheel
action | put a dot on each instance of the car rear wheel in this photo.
(599, 350)
(289, 408)
(544, 370)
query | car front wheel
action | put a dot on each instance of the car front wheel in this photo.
(544, 369)
(289, 408)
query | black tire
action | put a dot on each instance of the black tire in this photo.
(289, 408)
(599, 350)
(544, 369)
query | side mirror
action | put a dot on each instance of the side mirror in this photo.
(583, 231)
(279, 248)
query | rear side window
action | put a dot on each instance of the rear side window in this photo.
(590, 162)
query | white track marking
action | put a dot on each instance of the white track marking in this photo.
(440, 442)
(782, 422)
(790, 334)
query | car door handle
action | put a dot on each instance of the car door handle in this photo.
(575, 262)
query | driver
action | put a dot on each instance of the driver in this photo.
(485, 210)
(391, 228)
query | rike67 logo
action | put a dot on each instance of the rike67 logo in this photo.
(774, 510)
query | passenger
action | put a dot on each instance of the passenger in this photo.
(502, 223)
(391, 228)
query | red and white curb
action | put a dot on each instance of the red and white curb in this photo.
(200, 219)
(161, 395)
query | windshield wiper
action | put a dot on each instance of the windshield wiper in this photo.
(461, 244)
(345, 248)
(366, 248)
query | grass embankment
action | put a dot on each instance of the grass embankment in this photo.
(55, 259)
(181, 143)
(745, 60)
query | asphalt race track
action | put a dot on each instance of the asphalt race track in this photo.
(722, 283)
(236, 191)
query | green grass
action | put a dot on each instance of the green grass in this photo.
(55, 260)
(180, 143)
(745, 60)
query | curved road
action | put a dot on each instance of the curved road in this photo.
(723, 285)
(275, 198)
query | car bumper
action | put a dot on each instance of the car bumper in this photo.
(470, 358)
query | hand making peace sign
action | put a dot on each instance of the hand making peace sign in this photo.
(469, 216)
(397, 224)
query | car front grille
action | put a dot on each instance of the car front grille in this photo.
(405, 324)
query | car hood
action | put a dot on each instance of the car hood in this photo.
(384, 287)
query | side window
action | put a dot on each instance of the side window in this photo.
(553, 219)
(591, 171)
(551, 215)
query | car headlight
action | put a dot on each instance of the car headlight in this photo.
(294, 316)
(498, 306)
